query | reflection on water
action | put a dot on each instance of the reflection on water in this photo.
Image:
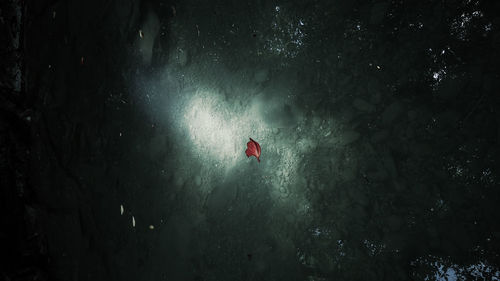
(379, 140)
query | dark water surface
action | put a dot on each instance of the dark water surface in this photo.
(379, 123)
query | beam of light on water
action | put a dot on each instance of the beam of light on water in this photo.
(218, 131)
(211, 131)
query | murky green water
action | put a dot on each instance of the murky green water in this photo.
(379, 131)
(379, 124)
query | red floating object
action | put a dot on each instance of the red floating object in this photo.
(253, 148)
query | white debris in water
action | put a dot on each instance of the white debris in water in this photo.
(461, 26)
(121, 209)
(151, 227)
(133, 221)
(288, 35)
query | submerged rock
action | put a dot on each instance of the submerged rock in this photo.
(182, 57)
(261, 76)
(377, 175)
(197, 180)
(306, 144)
(149, 31)
(349, 137)
(391, 113)
(363, 105)
(179, 181)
